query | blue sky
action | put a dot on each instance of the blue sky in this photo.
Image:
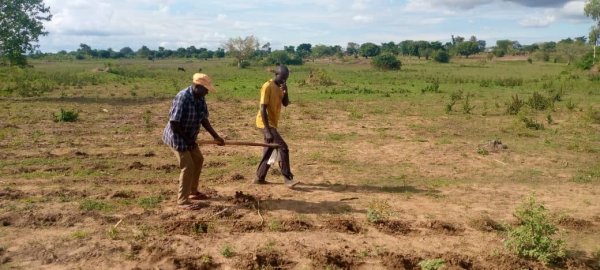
(115, 24)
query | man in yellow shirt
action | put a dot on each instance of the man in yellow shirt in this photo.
(273, 94)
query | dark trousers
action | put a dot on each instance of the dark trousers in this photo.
(284, 157)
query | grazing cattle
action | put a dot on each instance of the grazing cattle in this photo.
(180, 69)
(199, 69)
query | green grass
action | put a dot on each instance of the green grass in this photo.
(150, 202)
(362, 108)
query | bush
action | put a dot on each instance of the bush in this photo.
(514, 106)
(378, 211)
(534, 237)
(319, 77)
(67, 116)
(539, 102)
(434, 87)
(531, 123)
(432, 264)
(386, 62)
(441, 56)
(467, 107)
(586, 62)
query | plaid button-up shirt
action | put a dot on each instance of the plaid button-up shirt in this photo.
(189, 112)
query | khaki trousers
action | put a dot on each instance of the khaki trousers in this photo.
(190, 163)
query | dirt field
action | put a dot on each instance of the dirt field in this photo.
(99, 193)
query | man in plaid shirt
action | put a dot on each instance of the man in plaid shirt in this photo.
(188, 113)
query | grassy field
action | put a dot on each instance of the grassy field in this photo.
(99, 192)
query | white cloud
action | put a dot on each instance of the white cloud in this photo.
(543, 21)
(362, 18)
(221, 17)
(573, 10)
(173, 23)
(421, 5)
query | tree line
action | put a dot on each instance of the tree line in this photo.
(21, 23)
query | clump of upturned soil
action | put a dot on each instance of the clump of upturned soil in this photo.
(121, 194)
(11, 194)
(296, 225)
(136, 165)
(575, 223)
(246, 227)
(394, 227)
(458, 261)
(243, 199)
(186, 227)
(486, 224)
(442, 227)
(343, 225)
(236, 177)
(400, 261)
(339, 259)
(166, 167)
(214, 164)
(264, 260)
(507, 261)
(191, 263)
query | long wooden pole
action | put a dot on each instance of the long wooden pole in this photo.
(271, 145)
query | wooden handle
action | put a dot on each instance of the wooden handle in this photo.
(271, 145)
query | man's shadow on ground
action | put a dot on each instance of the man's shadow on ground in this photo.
(338, 206)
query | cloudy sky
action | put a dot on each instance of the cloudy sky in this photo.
(172, 24)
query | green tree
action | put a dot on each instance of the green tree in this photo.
(21, 23)
(390, 48)
(242, 49)
(468, 48)
(143, 52)
(220, 53)
(320, 50)
(352, 48)
(369, 50)
(303, 50)
(592, 10)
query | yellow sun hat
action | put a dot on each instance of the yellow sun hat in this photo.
(204, 80)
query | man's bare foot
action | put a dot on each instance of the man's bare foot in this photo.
(192, 206)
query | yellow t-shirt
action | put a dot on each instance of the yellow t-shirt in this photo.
(270, 95)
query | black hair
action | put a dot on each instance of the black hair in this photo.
(281, 68)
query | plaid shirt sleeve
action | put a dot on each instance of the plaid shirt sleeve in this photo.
(177, 109)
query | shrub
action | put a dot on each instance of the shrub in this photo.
(534, 237)
(386, 62)
(434, 87)
(531, 123)
(539, 102)
(514, 106)
(432, 264)
(570, 105)
(227, 251)
(378, 210)
(67, 116)
(586, 62)
(467, 107)
(319, 77)
(441, 56)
